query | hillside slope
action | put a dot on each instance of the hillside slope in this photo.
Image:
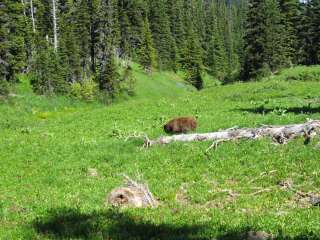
(47, 146)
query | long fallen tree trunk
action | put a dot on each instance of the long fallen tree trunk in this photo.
(279, 134)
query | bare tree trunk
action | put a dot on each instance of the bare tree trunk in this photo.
(55, 34)
(279, 134)
(24, 8)
(32, 17)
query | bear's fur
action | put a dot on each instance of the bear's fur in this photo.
(180, 125)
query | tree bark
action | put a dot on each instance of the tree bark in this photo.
(32, 17)
(279, 134)
(55, 33)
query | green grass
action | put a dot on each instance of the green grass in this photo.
(47, 146)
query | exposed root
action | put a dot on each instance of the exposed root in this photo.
(132, 194)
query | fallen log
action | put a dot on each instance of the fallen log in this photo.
(279, 134)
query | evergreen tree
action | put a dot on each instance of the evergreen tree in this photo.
(290, 19)
(4, 48)
(264, 40)
(17, 50)
(82, 29)
(254, 40)
(48, 72)
(131, 21)
(125, 28)
(108, 74)
(274, 36)
(175, 13)
(69, 49)
(315, 32)
(147, 53)
(216, 57)
(193, 60)
(162, 38)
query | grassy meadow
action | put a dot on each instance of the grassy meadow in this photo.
(48, 144)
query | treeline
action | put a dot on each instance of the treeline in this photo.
(70, 41)
(75, 45)
(280, 33)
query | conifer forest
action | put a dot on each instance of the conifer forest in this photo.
(68, 41)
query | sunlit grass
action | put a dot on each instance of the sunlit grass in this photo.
(47, 146)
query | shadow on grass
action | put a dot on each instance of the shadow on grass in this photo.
(295, 110)
(111, 224)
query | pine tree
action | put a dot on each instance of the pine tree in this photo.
(83, 25)
(254, 40)
(147, 53)
(69, 49)
(216, 56)
(275, 45)
(4, 48)
(125, 29)
(48, 71)
(162, 38)
(315, 32)
(17, 51)
(264, 41)
(290, 19)
(175, 13)
(193, 60)
(108, 74)
(131, 21)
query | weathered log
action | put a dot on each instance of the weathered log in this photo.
(279, 134)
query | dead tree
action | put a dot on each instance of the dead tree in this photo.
(32, 17)
(55, 32)
(279, 134)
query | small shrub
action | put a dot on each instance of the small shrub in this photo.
(75, 90)
(4, 88)
(85, 91)
(127, 83)
(301, 74)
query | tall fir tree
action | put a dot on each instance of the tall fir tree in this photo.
(4, 48)
(162, 38)
(175, 13)
(17, 50)
(290, 19)
(193, 60)
(69, 49)
(315, 32)
(108, 74)
(216, 56)
(48, 71)
(275, 45)
(147, 53)
(131, 21)
(254, 40)
(83, 26)
(264, 40)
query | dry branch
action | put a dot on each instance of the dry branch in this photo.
(279, 134)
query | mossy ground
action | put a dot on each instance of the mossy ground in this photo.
(47, 145)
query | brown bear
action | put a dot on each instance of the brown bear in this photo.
(180, 125)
